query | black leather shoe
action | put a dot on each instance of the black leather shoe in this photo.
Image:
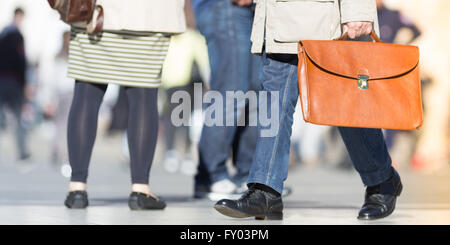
(77, 200)
(253, 203)
(380, 199)
(141, 201)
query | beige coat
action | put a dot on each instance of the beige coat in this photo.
(144, 15)
(282, 23)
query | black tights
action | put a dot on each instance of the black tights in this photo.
(142, 129)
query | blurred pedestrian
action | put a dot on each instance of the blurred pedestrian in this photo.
(12, 78)
(186, 64)
(56, 92)
(392, 23)
(277, 29)
(432, 152)
(226, 26)
(397, 28)
(130, 52)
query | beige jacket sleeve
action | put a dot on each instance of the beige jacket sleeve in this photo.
(280, 24)
(358, 10)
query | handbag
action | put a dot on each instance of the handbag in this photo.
(80, 11)
(360, 84)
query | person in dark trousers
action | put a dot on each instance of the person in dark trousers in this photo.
(12, 78)
(277, 28)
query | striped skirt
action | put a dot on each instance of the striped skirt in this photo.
(123, 58)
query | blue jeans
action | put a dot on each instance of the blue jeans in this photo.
(227, 30)
(366, 147)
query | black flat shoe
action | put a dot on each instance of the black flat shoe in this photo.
(380, 199)
(76, 200)
(253, 203)
(141, 201)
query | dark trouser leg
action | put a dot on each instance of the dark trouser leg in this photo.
(142, 131)
(369, 154)
(243, 151)
(2, 115)
(245, 143)
(20, 130)
(82, 127)
(12, 96)
(169, 129)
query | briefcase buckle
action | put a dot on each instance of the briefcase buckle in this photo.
(363, 82)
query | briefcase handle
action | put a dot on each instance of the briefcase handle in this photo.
(372, 34)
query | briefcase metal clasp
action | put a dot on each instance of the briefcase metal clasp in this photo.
(363, 82)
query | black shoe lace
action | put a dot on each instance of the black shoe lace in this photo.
(248, 193)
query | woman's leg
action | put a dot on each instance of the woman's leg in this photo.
(142, 134)
(82, 129)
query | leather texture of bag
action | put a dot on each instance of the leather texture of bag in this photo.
(75, 11)
(360, 84)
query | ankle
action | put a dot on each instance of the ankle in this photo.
(141, 188)
(77, 186)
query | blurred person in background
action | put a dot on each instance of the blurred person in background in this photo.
(432, 151)
(226, 25)
(13, 78)
(130, 52)
(55, 93)
(186, 64)
(397, 28)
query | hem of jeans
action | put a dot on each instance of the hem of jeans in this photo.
(277, 188)
(378, 177)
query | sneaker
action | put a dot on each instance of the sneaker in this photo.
(287, 190)
(188, 167)
(171, 162)
(222, 189)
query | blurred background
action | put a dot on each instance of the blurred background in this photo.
(33, 155)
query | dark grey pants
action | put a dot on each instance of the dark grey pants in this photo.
(12, 98)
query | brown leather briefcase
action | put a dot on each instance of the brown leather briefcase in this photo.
(360, 84)
(73, 11)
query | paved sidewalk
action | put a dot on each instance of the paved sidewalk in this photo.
(33, 193)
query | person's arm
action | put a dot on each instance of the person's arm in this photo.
(357, 16)
(242, 2)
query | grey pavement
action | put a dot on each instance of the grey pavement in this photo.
(32, 192)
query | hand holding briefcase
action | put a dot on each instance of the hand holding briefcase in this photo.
(360, 84)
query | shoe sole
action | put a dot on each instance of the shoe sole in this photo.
(230, 212)
(386, 214)
(238, 214)
(133, 205)
(77, 204)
